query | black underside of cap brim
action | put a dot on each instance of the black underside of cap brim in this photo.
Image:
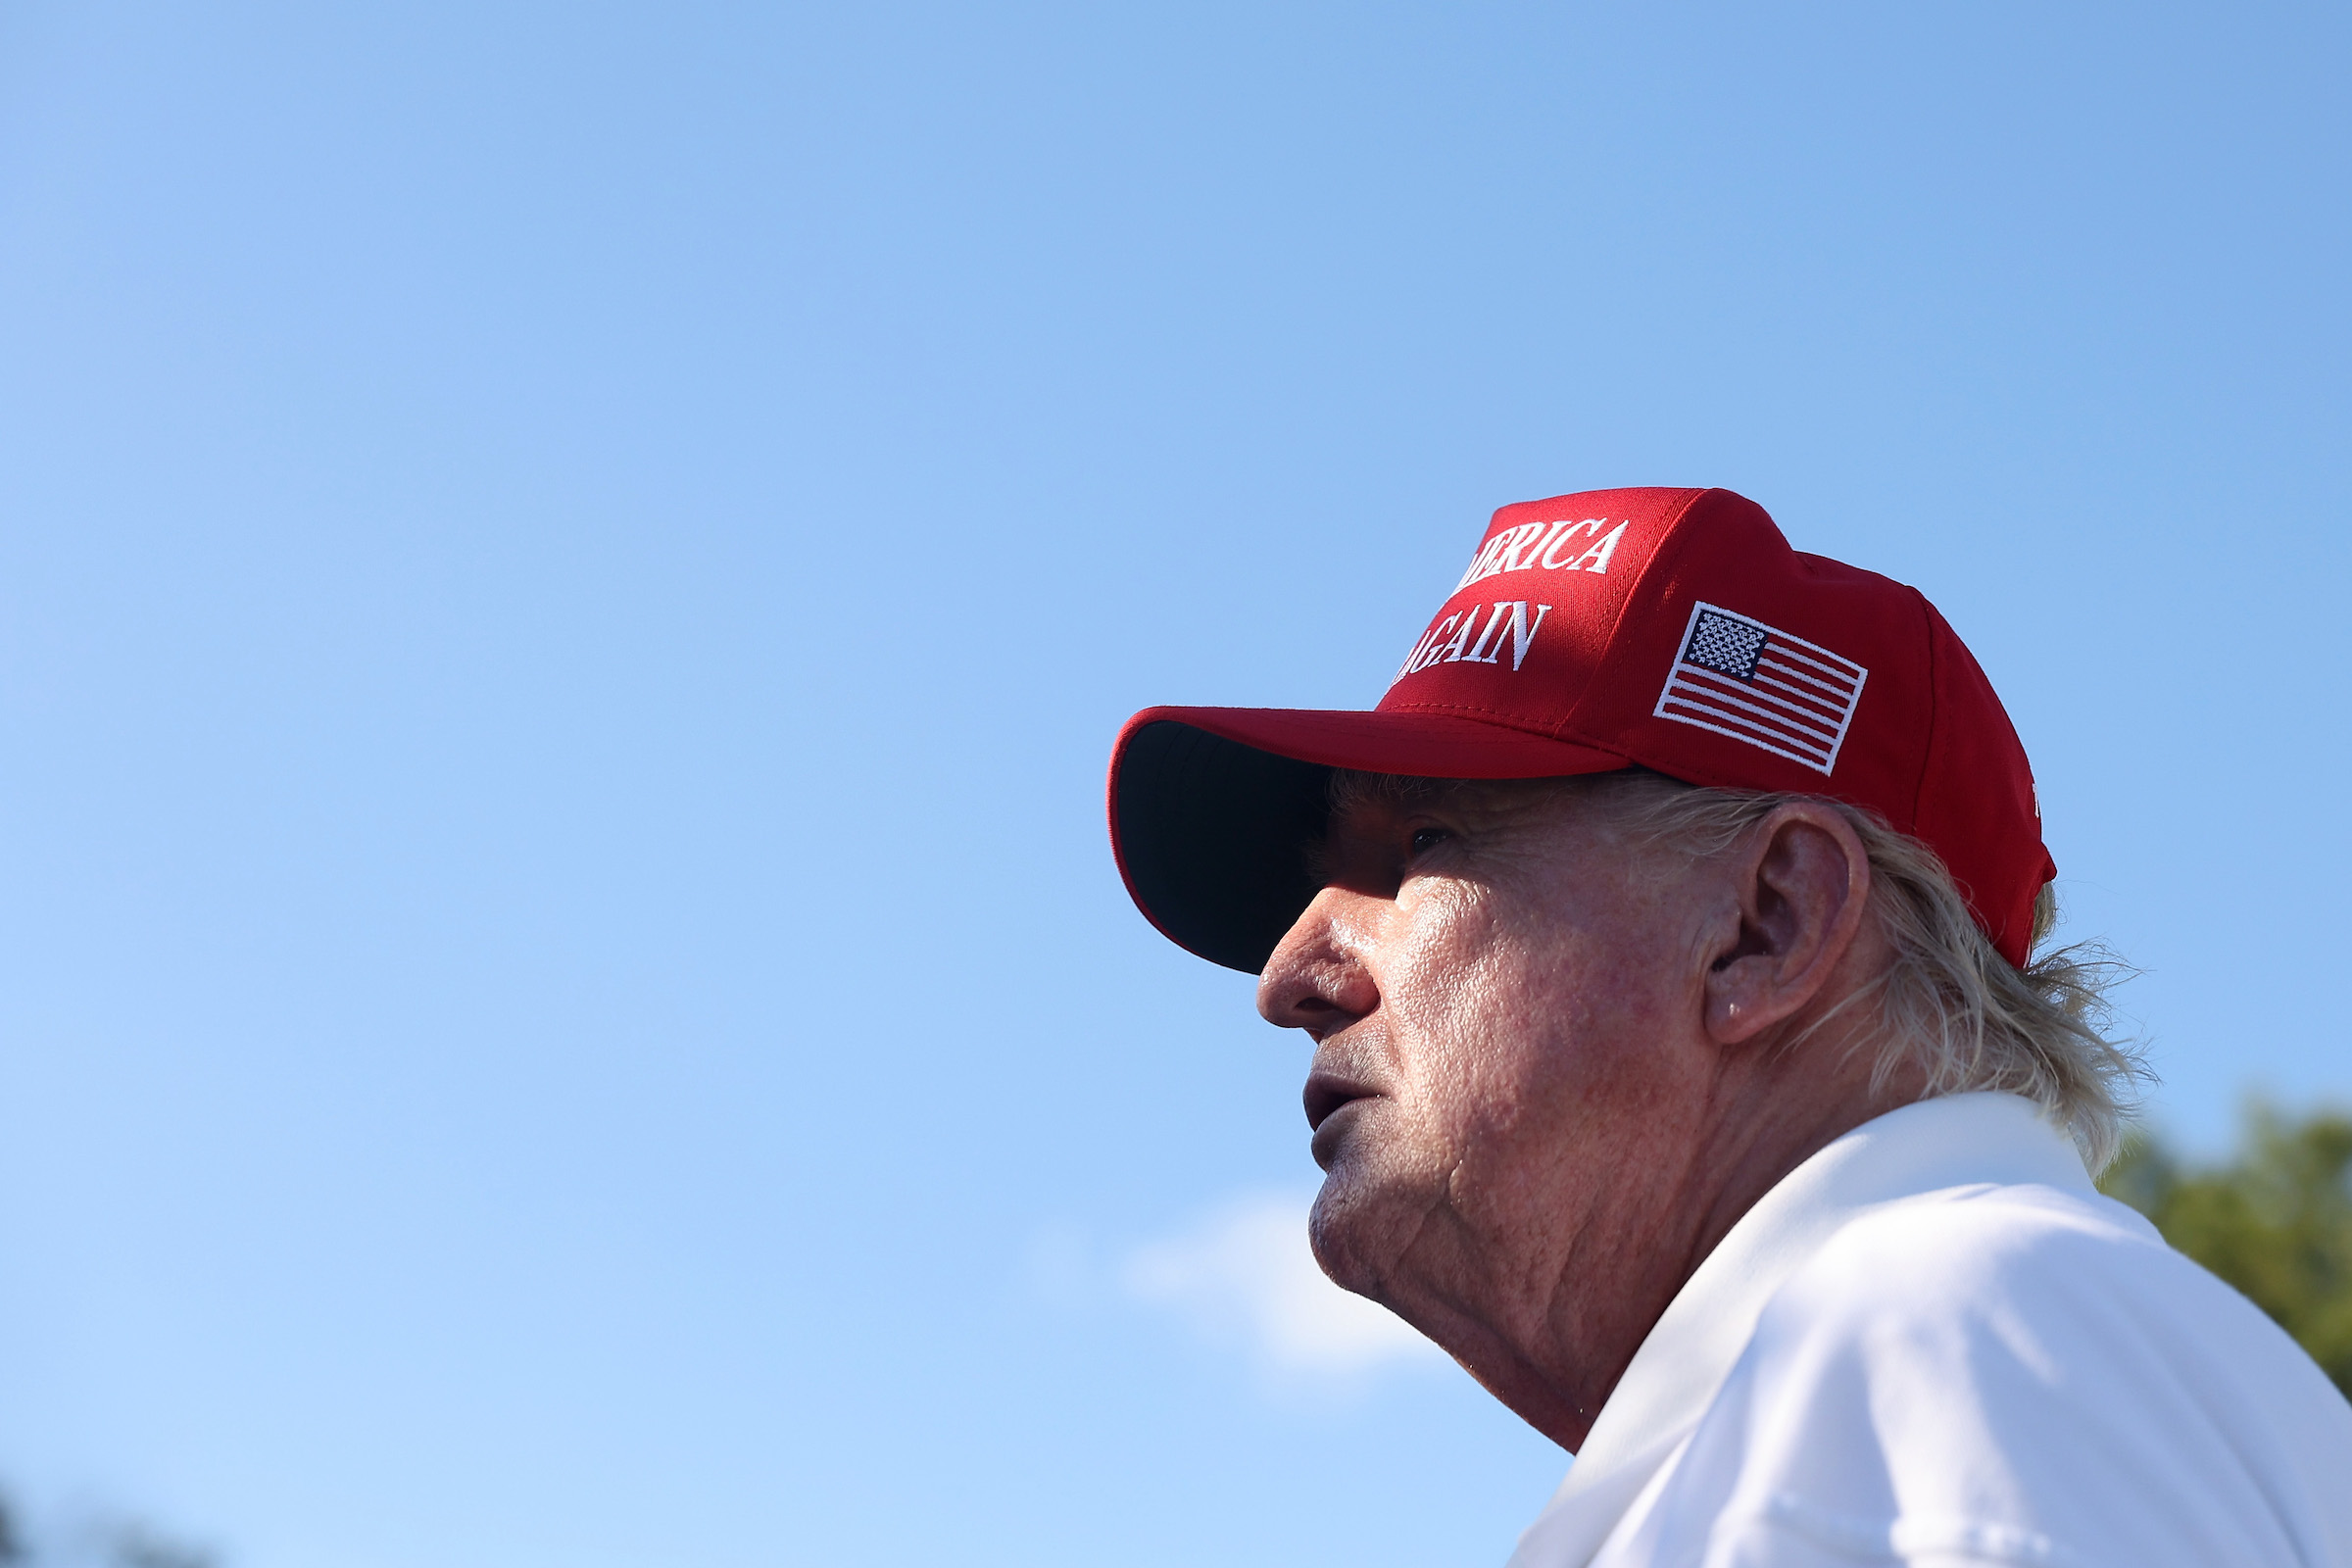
(1215, 837)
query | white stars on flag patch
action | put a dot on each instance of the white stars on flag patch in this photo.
(1755, 683)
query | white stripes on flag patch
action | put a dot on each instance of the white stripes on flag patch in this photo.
(1758, 684)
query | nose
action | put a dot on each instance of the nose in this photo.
(1318, 979)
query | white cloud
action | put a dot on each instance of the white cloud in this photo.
(1246, 1271)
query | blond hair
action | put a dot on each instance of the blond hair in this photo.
(1948, 1004)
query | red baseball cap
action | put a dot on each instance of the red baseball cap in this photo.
(1669, 629)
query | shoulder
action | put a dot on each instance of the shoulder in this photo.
(2023, 1364)
(2036, 1310)
(1962, 1254)
(2079, 1290)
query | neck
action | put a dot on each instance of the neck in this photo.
(1553, 1342)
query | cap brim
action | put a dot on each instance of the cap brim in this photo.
(1213, 810)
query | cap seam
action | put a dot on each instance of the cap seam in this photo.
(1501, 716)
(1633, 592)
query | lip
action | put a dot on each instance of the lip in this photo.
(1332, 1103)
(1326, 1144)
(1326, 1093)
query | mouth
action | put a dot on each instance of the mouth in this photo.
(1326, 1093)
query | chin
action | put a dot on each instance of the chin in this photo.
(1346, 1230)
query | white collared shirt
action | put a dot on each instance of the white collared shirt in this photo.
(1934, 1343)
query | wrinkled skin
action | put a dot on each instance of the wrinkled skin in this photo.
(1555, 1062)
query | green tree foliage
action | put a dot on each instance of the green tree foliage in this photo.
(2276, 1221)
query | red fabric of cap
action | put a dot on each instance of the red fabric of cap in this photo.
(1670, 628)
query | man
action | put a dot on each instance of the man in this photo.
(1686, 1069)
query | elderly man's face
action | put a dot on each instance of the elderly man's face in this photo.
(1555, 1060)
(1503, 986)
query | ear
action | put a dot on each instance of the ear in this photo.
(1801, 881)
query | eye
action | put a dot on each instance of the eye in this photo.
(1426, 839)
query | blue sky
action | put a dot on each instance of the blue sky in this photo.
(569, 571)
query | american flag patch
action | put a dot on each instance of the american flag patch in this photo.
(1755, 683)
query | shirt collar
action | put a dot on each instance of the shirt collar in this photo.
(1954, 1140)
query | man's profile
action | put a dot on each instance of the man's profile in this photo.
(1690, 1067)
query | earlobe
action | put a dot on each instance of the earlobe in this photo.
(1729, 990)
(1736, 1008)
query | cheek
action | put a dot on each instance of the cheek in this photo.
(1469, 1021)
(1512, 1038)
